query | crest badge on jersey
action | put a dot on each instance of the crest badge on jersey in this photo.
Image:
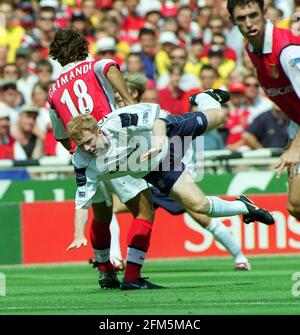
(274, 71)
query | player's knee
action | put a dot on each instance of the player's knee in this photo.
(293, 208)
(147, 215)
(215, 119)
(200, 207)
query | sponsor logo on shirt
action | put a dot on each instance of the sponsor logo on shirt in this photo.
(274, 71)
(81, 194)
(274, 92)
(145, 118)
(294, 62)
(199, 120)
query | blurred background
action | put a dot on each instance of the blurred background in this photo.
(182, 47)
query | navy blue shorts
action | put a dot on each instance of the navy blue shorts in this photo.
(188, 126)
(161, 200)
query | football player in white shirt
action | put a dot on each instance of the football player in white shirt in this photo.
(135, 143)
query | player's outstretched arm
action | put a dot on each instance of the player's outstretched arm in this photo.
(117, 82)
(159, 133)
(81, 217)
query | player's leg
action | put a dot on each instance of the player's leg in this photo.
(138, 241)
(100, 239)
(222, 235)
(137, 198)
(293, 204)
(115, 247)
(187, 193)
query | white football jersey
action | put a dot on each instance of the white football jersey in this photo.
(129, 132)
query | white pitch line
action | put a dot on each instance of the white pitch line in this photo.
(254, 303)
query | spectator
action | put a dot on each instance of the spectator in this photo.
(39, 99)
(188, 81)
(274, 14)
(150, 95)
(134, 63)
(81, 23)
(10, 71)
(151, 11)
(11, 34)
(193, 64)
(3, 54)
(167, 41)
(204, 14)
(10, 98)
(44, 71)
(6, 140)
(148, 51)
(106, 48)
(184, 18)
(136, 83)
(28, 145)
(46, 28)
(171, 98)
(255, 103)
(216, 59)
(132, 23)
(237, 120)
(238, 74)
(26, 80)
(209, 78)
(219, 40)
(268, 130)
(170, 24)
(216, 26)
(89, 10)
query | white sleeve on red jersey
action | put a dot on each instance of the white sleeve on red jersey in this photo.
(59, 130)
(290, 62)
(100, 68)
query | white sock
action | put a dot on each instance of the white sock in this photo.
(220, 207)
(115, 248)
(223, 236)
(101, 255)
(205, 101)
(135, 256)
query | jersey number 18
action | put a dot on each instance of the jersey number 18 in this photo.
(85, 101)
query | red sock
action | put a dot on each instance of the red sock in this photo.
(100, 239)
(138, 241)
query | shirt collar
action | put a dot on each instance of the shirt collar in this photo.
(268, 41)
(70, 66)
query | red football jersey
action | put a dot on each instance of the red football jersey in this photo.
(82, 88)
(272, 77)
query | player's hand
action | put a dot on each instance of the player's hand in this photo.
(150, 154)
(77, 243)
(289, 160)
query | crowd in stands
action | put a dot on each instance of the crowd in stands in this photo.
(181, 46)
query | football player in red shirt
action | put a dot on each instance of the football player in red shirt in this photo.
(275, 54)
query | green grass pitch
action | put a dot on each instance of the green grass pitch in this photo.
(194, 286)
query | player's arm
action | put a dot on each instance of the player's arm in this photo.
(159, 134)
(116, 80)
(59, 130)
(86, 189)
(251, 140)
(290, 62)
(80, 220)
